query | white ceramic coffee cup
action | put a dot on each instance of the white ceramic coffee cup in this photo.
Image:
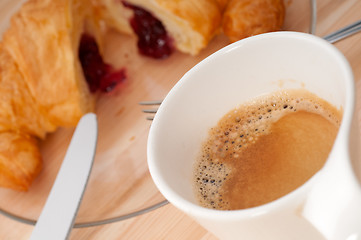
(329, 204)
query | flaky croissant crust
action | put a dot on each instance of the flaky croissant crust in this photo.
(257, 16)
(41, 83)
(42, 86)
(193, 24)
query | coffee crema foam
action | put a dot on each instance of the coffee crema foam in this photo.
(264, 149)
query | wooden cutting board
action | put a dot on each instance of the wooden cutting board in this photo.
(120, 182)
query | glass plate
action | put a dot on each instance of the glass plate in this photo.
(120, 186)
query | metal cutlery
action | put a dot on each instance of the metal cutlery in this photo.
(344, 32)
(57, 217)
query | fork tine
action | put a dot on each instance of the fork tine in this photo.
(158, 102)
(149, 103)
(150, 110)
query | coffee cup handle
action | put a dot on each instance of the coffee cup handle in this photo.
(334, 203)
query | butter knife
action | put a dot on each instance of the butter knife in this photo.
(57, 217)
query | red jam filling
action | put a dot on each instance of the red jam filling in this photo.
(153, 40)
(98, 74)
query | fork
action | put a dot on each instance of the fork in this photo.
(332, 38)
(152, 110)
(344, 32)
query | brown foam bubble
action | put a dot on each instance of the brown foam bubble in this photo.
(253, 141)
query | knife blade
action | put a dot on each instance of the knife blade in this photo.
(57, 217)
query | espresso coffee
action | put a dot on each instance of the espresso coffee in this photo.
(264, 149)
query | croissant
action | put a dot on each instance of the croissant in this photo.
(187, 25)
(244, 18)
(42, 84)
(162, 25)
(51, 62)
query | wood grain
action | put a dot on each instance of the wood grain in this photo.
(121, 153)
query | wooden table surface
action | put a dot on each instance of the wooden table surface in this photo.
(150, 80)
